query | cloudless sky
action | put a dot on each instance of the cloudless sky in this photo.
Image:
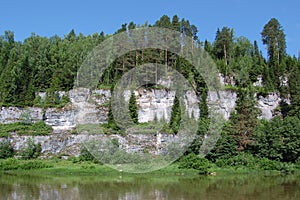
(58, 17)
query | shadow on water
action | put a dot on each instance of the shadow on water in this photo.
(149, 187)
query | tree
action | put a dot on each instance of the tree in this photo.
(6, 150)
(133, 109)
(175, 116)
(274, 37)
(277, 139)
(223, 45)
(175, 23)
(294, 85)
(244, 121)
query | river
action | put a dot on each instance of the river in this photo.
(158, 187)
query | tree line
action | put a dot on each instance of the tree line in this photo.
(42, 64)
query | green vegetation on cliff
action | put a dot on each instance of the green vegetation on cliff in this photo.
(40, 64)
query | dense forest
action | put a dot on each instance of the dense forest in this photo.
(41, 64)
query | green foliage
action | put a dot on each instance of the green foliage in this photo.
(174, 124)
(248, 161)
(40, 64)
(6, 150)
(85, 155)
(25, 117)
(277, 139)
(294, 86)
(53, 99)
(14, 164)
(32, 150)
(244, 121)
(38, 128)
(192, 161)
(111, 126)
(133, 109)
(274, 37)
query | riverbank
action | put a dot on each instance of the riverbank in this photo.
(60, 167)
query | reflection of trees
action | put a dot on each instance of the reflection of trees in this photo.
(150, 187)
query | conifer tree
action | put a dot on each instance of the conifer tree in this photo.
(133, 109)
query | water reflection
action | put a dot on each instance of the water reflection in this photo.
(149, 187)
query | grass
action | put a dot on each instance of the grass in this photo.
(67, 167)
(92, 129)
(38, 128)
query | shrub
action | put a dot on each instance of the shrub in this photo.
(14, 164)
(250, 162)
(297, 164)
(240, 160)
(6, 150)
(38, 128)
(193, 161)
(32, 150)
(36, 164)
(9, 164)
(85, 155)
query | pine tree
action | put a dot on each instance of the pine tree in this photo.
(223, 44)
(244, 121)
(175, 118)
(133, 108)
(274, 37)
(294, 85)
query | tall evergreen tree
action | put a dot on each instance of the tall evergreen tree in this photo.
(244, 121)
(274, 37)
(133, 109)
(175, 116)
(223, 45)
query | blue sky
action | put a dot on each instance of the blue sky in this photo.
(47, 18)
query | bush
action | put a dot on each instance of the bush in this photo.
(297, 163)
(193, 161)
(9, 164)
(14, 164)
(241, 160)
(245, 160)
(32, 150)
(38, 128)
(6, 150)
(85, 155)
(33, 165)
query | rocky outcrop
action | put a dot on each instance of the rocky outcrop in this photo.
(60, 118)
(14, 114)
(259, 81)
(63, 142)
(92, 107)
(157, 104)
(268, 104)
(225, 101)
(154, 104)
(86, 107)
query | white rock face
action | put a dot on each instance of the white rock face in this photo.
(267, 105)
(87, 107)
(60, 118)
(64, 142)
(226, 80)
(259, 82)
(14, 114)
(154, 104)
(91, 107)
(157, 104)
(225, 101)
(192, 104)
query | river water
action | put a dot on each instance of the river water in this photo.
(158, 187)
